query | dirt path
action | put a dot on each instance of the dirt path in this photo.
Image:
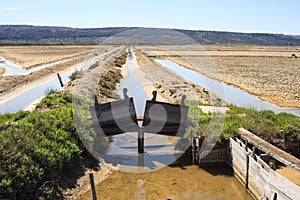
(142, 78)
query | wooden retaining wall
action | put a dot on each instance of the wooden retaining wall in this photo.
(257, 176)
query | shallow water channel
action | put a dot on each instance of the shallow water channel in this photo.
(14, 70)
(160, 175)
(231, 94)
(27, 97)
(173, 182)
(122, 153)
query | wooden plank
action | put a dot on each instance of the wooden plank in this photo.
(270, 149)
(258, 178)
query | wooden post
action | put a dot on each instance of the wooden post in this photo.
(298, 138)
(227, 151)
(246, 145)
(253, 152)
(93, 186)
(60, 81)
(234, 135)
(141, 141)
(247, 165)
(282, 136)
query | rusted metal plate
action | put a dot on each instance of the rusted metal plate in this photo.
(116, 117)
(165, 118)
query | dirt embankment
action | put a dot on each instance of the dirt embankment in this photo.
(101, 74)
(10, 85)
(172, 87)
(75, 181)
(2, 70)
(30, 56)
(274, 79)
(269, 73)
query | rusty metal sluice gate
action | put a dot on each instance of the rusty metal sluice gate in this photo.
(120, 116)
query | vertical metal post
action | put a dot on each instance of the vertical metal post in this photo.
(93, 186)
(141, 141)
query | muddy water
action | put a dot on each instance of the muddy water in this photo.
(175, 182)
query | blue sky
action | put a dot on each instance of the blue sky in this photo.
(263, 16)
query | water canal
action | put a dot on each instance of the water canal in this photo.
(27, 96)
(231, 94)
(161, 175)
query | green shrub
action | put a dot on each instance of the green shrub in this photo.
(262, 123)
(37, 144)
(55, 99)
(76, 74)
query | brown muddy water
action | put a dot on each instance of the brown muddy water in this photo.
(172, 182)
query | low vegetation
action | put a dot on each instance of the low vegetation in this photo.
(24, 34)
(265, 124)
(108, 81)
(35, 147)
(76, 74)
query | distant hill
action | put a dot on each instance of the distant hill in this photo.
(49, 34)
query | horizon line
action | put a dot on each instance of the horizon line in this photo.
(188, 29)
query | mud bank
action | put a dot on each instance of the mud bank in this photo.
(31, 56)
(85, 86)
(268, 73)
(172, 87)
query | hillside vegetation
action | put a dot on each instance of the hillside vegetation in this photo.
(57, 35)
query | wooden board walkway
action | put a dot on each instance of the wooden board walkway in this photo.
(270, 149)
